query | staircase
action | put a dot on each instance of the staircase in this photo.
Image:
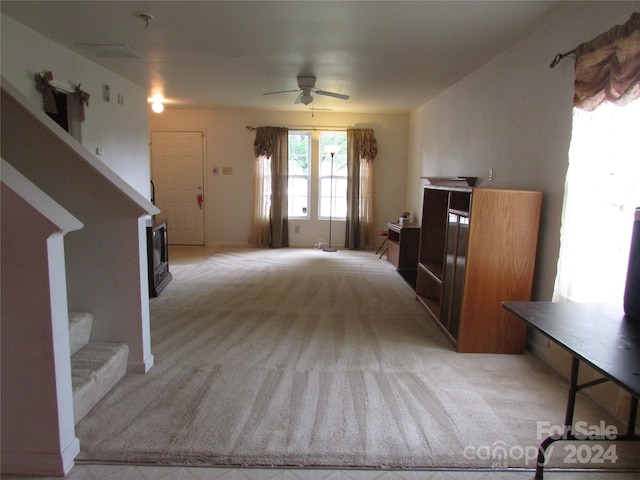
(42, 201)
(96, 367)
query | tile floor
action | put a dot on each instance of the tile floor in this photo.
(128, 472)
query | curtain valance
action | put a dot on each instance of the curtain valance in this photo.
(267, 139)
(366, 142)
(607, 68)
(48, 92)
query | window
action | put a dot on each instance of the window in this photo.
(265, 168)
(310, 175)
(601, 194)
(63, 103)
(299, 163)
(333, 176)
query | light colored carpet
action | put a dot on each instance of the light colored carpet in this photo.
(302, 357)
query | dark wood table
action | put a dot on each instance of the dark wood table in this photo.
(404, 244)
(598, 335)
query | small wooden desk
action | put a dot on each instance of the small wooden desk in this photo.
(600, 336)
(404, 243)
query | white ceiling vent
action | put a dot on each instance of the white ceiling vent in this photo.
(111, 51)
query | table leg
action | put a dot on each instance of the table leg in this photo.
(633, 415)
(573, 391)
(568, 420)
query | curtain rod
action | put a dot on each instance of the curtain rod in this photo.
(306, 127)
(560, 56)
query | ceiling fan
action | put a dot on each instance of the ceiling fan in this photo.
(307, 85)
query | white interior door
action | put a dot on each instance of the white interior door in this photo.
(177, 161)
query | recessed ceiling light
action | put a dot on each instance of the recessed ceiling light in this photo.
(111, 51)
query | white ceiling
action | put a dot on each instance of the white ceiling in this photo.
(389, 56)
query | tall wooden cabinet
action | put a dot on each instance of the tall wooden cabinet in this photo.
(477, 249)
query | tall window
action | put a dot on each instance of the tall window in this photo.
(601, 194)
(299, 170)
(310, 171)
(264, 165)
(333, 176)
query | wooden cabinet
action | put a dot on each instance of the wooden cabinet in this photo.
(404, 240)
(477, 249)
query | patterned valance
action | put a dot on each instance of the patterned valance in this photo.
(607, 68)
(266, 139)
(366, 142)
(48, 91)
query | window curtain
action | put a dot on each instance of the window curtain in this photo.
(607, 68)
(270, 223)
(260, 231)
(362, 149)
(601, 190)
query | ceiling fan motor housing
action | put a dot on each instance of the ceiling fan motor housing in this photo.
(306, 82)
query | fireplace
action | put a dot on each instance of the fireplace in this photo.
(158, 258)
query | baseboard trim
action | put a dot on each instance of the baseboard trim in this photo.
(141, 367)
(56, 464)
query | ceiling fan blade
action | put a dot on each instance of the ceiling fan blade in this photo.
(341, 96)
(282, 91)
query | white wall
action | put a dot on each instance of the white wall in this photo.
(228, 198)
(514, 115)
(120, 130)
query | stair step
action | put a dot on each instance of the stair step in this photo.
(79, 330)
(96, 369)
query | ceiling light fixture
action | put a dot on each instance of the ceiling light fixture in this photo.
(306, 97)
(157, 106)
